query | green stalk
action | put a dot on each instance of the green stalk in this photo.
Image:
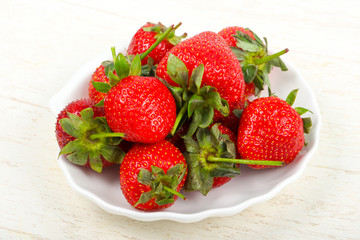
(111, 134)
(270, 57)
(174, 192)
(158, 41)
(179, 117)
(246, 161)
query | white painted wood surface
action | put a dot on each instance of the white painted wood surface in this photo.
(42, 43)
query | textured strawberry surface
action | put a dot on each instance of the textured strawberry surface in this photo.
(162, 154)
(270, 129)
(222, 69)
(142, 108)
(142, 41)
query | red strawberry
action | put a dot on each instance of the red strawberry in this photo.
(74, 126)
(253, 55)
(151, 175)
(146, 36)
(221, 68)
(228, 34)
(142, 108)
(270, 129)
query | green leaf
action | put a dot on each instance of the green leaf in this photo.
(192, 146)
(307, 124)
(79, 157)
(101, 86)
(69, 127)
(145, 197)
(95, 162)
(291, 97)
(113, 79)
(204, 138)
(145, 177)
(100, 103)
(177, 71)
(277, 62)
(249, 73)
(175, 170)
(70, 147)
(225, 171)
(207, 116)
(164, 201)
(87, 115)
(196, 77)
(238, 112)
(135, 67)
(240, 54)
(122, 66)
(112, 153)
(110, 67)
(243, 42)
(206, 181)
(301, 110)
(157, 170)
(195, 102)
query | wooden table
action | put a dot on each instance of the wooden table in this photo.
(44, 42)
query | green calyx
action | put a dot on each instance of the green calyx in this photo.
(163, 186)
(307, 123)
(161, 29)
(125, 66)
(85, 148)
(201, 172)
(193, 101)
(255, 61)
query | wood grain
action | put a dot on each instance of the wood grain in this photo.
(44, 42)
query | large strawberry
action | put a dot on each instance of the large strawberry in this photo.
(270, 129)
(142, 108)
(147, 35)
(221, 68)
(151, 175)
(76, 126)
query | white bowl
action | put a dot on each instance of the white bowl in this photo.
(251, 187)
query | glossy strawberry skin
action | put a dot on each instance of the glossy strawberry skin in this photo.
(270, 129)
(75, 107)
(142, 41)
(142, 108)
(222, 69)
(163, 155)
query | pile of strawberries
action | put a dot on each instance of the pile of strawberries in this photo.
(176, 114)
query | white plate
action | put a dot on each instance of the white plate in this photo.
(251, 187)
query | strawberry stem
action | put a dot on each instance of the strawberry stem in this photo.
(158, 41)
(270, 57)
(179, 117)
(102, 135)
(246, 161)
(174, 192)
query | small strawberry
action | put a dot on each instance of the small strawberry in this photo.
(270, 129)
(151, 175)
(75, 126)
(222, 71)
(147, 36)
(228, 34)
(98, 76)
(253, 55)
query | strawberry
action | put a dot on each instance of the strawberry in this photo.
(141, 108)
(147, 36)
(222, 71)
(270, 129)
(151, 175)
(98, 76)
(253, 55)
(75, 125)
(228, 32)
